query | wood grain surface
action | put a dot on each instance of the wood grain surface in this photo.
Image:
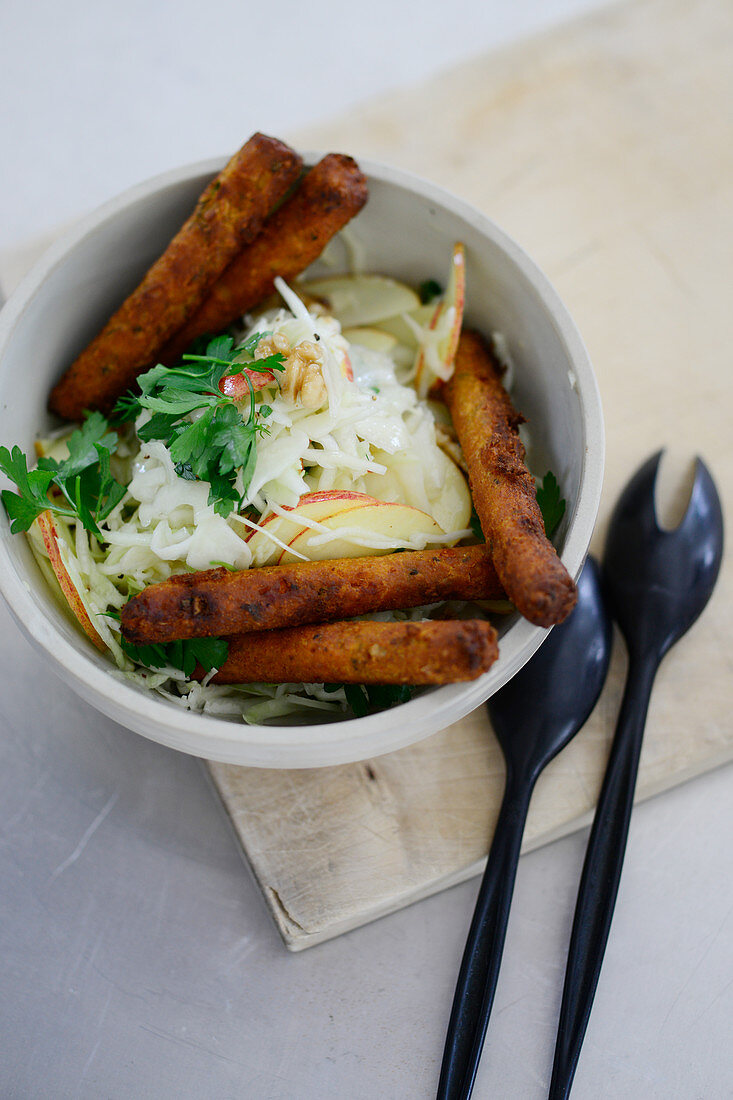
(604, 149)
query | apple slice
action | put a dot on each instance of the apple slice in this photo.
(358, 300)
(331, 496)
(313, 506)
(346, 368)
(400, 327)
(375, 518)
(435, 358)
(54, 446)
(237, 387)
(373, 338)
(450, 506)
(50, 535)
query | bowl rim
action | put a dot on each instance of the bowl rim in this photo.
(320, 744)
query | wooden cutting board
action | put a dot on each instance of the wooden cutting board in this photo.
(605, 149)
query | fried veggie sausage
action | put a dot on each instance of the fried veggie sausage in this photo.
(502, 487)
(362, 653)
(293, 237)
(217, 602)
(228, 215)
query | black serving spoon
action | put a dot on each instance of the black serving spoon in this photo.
(656, 584)
(534, 716)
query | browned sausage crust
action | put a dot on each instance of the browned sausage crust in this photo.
(228, 215)
(362, 653)
(502, 487)
(217, 602)
(293, 237)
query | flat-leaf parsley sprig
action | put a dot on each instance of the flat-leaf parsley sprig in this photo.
(186, 655)
(551, 503)
(220, 442)
(366, 698)
(85, 487)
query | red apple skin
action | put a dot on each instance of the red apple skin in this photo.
(357, 509)
(237, 387)
(353, 507)
(459, 269)
(50, 540)
(316, 498)
(421, 358)
(335, 494)
(458, 278)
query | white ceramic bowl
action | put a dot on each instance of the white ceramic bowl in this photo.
(407, 229)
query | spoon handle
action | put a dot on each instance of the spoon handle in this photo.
(599, 883)
(479, 971)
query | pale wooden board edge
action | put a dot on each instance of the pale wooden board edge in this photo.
(296, 938)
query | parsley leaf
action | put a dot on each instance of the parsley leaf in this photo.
(190, 446)
(208, 652)
(429, 290)
(222, 494)
(219, 347)
(221, 443)
(186, 655)
(383, 696)
(160, 426)
(233, 438)
(23, 507)
(356, 698)
(475, 524)
(83, 479)
(366, 698)
(83, 445)
(551, 503)
(126, 409)
(110, 492)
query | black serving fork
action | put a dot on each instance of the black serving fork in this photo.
(656, 584)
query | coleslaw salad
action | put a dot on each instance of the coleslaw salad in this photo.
(352, 465)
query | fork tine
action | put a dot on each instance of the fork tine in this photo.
(704, 504)
(635, 507)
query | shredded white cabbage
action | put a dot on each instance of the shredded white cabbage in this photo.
(370, 434)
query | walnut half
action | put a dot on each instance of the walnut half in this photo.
(302, 379)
